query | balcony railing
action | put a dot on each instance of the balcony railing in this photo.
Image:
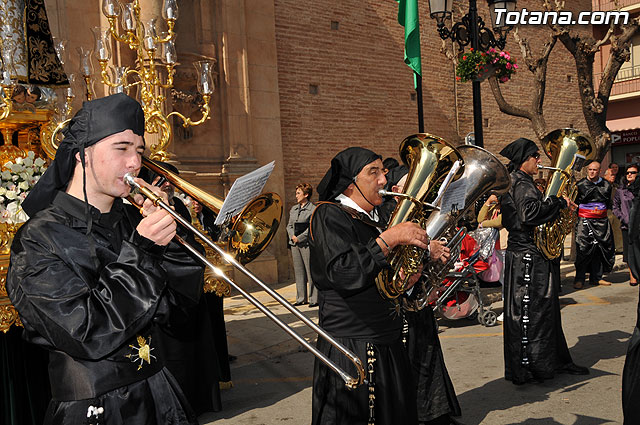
(605, 5)
(627, 81)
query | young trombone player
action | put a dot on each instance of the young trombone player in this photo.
(93, 280)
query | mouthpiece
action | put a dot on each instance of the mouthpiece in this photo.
(129, 179)
(383, 192)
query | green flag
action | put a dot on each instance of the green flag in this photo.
(408, 18)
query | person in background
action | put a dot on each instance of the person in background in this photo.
(215, 302)
(389, 164)
(437, 401)
(613, 176)
(622, 202)
(189, 350)
(490, 217)
(298, 231)
(618, 178)
(388, 202)
(166, 186)
(594, 236)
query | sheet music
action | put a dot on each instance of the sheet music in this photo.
(447, 181)
(454, 197)
(243, 190)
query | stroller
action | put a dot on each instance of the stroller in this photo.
(459, 295)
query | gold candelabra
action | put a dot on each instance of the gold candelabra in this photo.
(7, 85)
(155, 63)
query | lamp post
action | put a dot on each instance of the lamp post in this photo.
(471, 30)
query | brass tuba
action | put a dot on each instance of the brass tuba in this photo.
(568, 150)
(429, 159)
(483, 173)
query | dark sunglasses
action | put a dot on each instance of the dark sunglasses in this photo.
(536, 155)
(632, 172)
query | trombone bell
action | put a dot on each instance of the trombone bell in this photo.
(254, 228)
(250, 232)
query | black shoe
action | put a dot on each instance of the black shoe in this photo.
(573, 369)
(299, 303)
(313, 304)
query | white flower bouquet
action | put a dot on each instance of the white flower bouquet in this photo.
(16, 180)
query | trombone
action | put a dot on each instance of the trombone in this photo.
(350, 382)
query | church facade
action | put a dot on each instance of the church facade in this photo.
(299, 80)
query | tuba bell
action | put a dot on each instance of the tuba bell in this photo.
(568, 150)
(483, 173)
(429, 159)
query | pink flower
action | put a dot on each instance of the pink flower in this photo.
(504, 79)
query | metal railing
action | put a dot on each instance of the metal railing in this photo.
(627, 81)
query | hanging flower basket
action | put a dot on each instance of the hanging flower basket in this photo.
(478, 66)
(485, 72)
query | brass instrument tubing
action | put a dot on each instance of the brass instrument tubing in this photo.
(416, 201)
(350, 382)
(560, 170)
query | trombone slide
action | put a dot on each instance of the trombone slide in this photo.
(350, 381)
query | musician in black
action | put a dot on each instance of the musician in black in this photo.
(631, 371)
(348, 250)
(594, 235)
(93, 279)
(534, 345)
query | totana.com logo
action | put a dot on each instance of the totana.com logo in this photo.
(536, 17)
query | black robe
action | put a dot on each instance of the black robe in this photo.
(546, 349)
(594, 236)
(345, 259)
(631, 371)
(190, 354)
(436, 395)
(95, 303)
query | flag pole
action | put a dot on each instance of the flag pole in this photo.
(418, 85)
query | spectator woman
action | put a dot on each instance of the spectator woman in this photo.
(298, 231)
(622, 201)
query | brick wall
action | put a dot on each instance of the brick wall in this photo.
(363, 88)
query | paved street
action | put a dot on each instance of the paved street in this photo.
(272, 376)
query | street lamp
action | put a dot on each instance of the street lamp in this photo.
(471, 30)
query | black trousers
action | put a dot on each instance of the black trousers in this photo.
(595, 268)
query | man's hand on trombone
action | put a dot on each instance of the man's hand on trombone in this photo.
(157, 224)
